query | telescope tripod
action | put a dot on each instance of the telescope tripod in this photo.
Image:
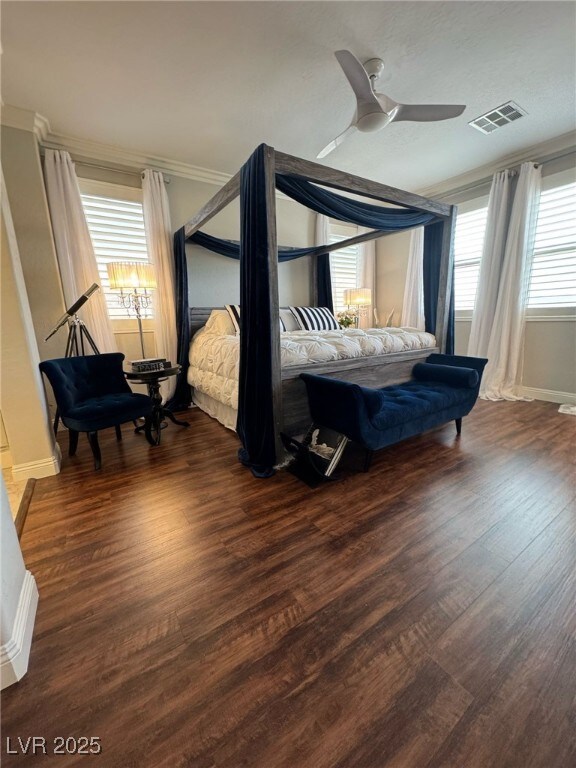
(77, 333)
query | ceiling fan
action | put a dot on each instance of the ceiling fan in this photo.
(375, 110)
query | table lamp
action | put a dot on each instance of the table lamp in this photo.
(361, 298)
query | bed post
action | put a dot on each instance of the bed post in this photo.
(445, 279)
(270, 176)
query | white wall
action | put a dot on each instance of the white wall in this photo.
(214, 280)
(22, 401)
(391, 267)
(29, 209)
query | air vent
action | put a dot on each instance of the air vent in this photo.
(496, 118)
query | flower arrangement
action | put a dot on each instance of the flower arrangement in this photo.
(347, 318)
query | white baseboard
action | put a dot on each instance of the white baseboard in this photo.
(37, 469)
(15, 653)
(550, 395)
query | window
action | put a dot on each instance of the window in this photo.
(344, 264)
(468, 244)
(115, 221)
(553, 278)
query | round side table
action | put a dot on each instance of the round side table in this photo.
(153, 379)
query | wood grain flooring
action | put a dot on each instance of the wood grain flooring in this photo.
(422, 615)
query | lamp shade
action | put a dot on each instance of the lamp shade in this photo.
(132, 275)
(358, 296)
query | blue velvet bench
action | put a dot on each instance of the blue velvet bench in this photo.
(444, 388)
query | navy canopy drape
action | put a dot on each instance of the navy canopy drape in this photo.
(346, 209)
(231, 248)
(182, 397)
(433, 235)
(255, 424)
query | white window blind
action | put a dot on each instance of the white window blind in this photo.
(553, 277)
(116, 227)
(343, 264)
(468, 244)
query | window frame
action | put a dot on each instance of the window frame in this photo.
(553, 313)
(469, 206)
(340, 230)
(126, 194)
(533, 314)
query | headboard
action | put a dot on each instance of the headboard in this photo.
(199, 317)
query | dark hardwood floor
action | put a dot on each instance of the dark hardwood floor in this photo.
(422, 615)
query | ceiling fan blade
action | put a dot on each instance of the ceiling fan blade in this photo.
(425, 113)
(357, 77)
(337, 141)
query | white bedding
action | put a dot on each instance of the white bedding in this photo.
(214, 356)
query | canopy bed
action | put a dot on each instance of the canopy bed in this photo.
(271, 398)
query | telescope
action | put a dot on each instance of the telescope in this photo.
(71, 311)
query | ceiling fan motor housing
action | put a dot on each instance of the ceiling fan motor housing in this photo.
(372, 121)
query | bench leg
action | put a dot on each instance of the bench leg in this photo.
(368, 456)
(458, 426)
(118, 432)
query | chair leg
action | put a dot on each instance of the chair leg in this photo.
(458, 426)
(93, 440)
(368, 456)
(72, 442)
(118, 432)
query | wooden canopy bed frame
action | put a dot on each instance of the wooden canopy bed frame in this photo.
(290, 406)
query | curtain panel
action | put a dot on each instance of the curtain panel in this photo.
(413, 304)
(182, 395)
(255, 425)
(76, 259)
(367, 272)
(491, 263)
(503, 375)
(323, 280)
(158, 240)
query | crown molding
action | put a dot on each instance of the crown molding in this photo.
(547, 150)
(22, 119)
(117, 157)
(41, 127)
(110, 155)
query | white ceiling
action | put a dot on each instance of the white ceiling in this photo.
(205, 82)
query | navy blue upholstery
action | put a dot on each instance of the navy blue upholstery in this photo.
(446, 389)
(92, 394)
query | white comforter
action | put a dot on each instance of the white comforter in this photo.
(214, 358)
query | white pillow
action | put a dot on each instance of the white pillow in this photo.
(315, 319)
(220, 323)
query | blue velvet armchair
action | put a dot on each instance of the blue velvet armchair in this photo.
(91, 394)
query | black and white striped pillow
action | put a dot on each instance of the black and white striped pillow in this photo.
(315, 318)
(234, 312)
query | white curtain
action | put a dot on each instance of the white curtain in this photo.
(503, 374)
(413, 304)
(159, 242)
(76, 260)
(322, 230)
(367, 277)
(490, 265)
